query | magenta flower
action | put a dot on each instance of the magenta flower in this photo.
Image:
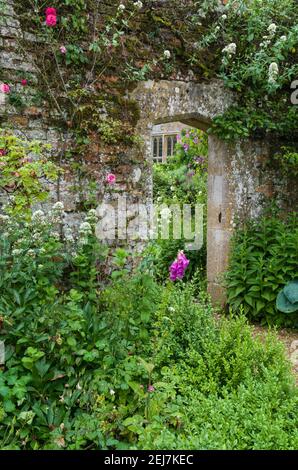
(178, 267)
(24, 82)
(63, 50)
(186, 147)
(51, 20)
(111, 178)
(2, 152)
(150, 388)
(51, 11)
(4, 88)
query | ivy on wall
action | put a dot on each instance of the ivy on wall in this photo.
(88, 53)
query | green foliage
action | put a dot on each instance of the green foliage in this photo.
(58, 325)
(126, 363)
(205, 375)
(287, 159)
(116, 46)
(263, 260)
(181, 180)
(100, 357)
(228, 390)
(268, 34)
(160, 254)
(24, 165)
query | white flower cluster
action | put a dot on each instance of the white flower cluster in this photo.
(16, 252)
(138, 4)
(68, 236)
(121, 7)
(36, 236)
(230, 49)
(58, 207)
(266, 42)
(85, 230)
(92, 217)
(167, 54)
(57, 212)
(272, 29)
(273, 72)
(56, 235)
(38, 216)
(31, 253)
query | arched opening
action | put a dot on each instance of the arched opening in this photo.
(195, 105)
(179, 155)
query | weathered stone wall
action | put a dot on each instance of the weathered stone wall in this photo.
(32, 120)
(240, 178)
(84, 175)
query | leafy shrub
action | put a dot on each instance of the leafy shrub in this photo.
(216, 387)
(159, 255)
(183, 178)
(23, 166)
(67, 340)
(287, 159)
(263, 260)
(126, 363)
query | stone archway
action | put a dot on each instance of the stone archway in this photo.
(232, 181)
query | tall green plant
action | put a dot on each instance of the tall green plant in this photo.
(264, 258)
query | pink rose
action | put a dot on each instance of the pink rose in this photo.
(5, 88)
(24, 82)
(51, 20)
(63, 50)
(110, 178)
(51, 11)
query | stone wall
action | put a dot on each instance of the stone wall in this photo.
(240, 178)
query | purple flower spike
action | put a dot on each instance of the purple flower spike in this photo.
(178, 267)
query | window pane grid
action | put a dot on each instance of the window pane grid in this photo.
(163, 146)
